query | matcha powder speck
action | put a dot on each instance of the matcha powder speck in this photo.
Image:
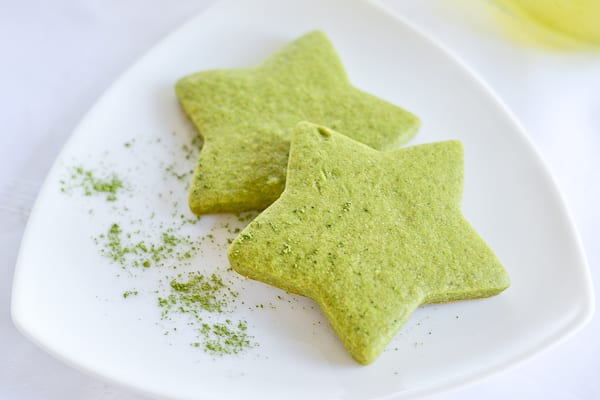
(88, 183)
(224, 338)
(204, 299)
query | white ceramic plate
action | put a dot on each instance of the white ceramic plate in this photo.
(68, 298)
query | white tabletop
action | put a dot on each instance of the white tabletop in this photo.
(57, 58)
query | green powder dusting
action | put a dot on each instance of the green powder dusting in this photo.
(128, 293)
(192, 150)
(189, 153)
(161, 233)
(198, 293)
(86, 182)
(137, 250)
(171, 169)
(221, 339)
(204, 298)
(189, 221)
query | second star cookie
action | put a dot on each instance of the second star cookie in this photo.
(246, 115)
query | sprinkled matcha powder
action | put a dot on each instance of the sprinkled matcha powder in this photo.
(128, 293)
(85, 181)
(225, 338)
(135, 249)
(159, 235)
(198, 293)
(204, 298)
(189, 155)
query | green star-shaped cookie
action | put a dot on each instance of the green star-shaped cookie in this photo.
(246, 116)
(369, 236)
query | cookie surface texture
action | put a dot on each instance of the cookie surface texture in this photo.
(246, 116)
(369, 236)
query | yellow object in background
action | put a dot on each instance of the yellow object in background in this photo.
(574, 20)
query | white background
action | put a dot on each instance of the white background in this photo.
(57, 57)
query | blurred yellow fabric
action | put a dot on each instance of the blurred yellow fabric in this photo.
(574, 21)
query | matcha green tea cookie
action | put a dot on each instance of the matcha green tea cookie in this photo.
(246, 116)
(369, 236)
